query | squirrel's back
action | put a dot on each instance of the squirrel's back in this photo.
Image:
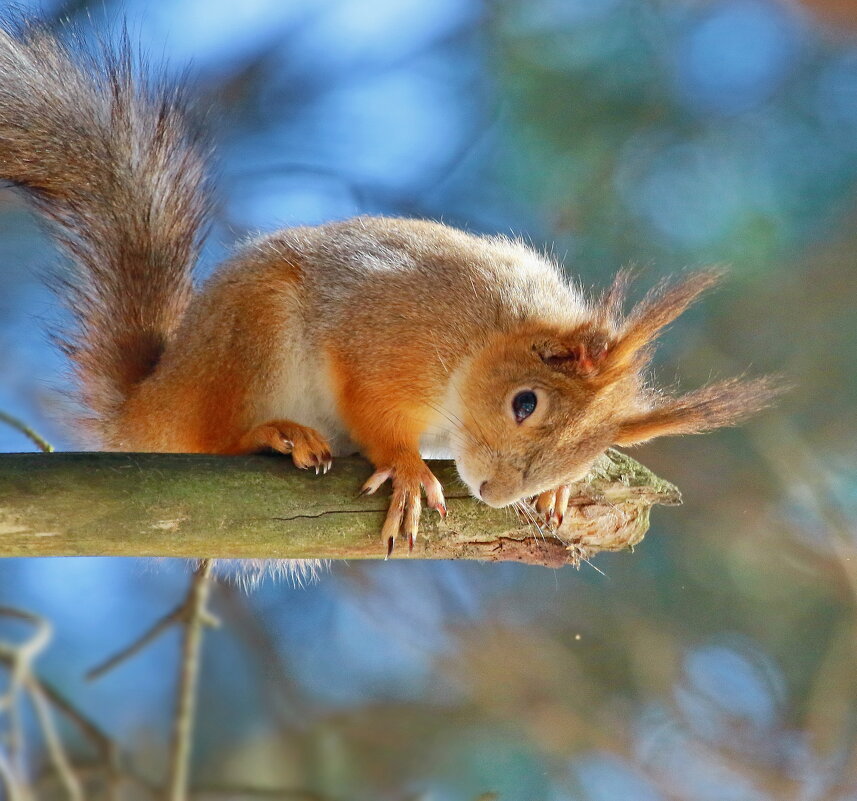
(358, 269)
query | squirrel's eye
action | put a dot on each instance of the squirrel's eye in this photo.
(523, 405)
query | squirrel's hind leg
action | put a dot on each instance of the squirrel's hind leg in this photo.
(308, 448)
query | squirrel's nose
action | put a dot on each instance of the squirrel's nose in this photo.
(482, 489)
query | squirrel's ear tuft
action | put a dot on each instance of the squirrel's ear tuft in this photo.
(581, 355)
(644, 323)
(608, 307)
(725, 403)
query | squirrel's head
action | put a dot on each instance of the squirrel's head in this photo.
(536, 406)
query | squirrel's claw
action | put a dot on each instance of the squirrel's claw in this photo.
(403, 517)
(403, 514)
(375, 481)
(553, 504)
(393, 521)
(411, 523)
(434, 492)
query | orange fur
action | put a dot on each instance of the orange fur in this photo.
(200, 398)
(386, 414)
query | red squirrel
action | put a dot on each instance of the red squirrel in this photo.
(391, 337)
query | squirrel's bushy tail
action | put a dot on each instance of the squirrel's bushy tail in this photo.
(102, 152)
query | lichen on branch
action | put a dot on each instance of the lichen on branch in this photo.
(259, 507)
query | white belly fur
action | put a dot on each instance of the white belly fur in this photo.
(303, 392)
(437, 440)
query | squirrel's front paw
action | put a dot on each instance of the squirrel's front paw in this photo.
(308, 448)
(405, 504)
(552, 505)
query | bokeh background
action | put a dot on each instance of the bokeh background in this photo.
(719, 661)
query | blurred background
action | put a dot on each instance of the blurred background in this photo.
(716, 663)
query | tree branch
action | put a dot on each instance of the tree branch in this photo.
(194, 506)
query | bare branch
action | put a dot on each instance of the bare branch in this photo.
(259, 507)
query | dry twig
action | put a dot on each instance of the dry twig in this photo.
(39, 441)
(22, 683)
(197, 617)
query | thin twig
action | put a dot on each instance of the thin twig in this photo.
(40, 442)
(196, 617)
(20, 659)
(54, 745)
(8, 781)
(90, 730)
(152, 633)
(180, 614)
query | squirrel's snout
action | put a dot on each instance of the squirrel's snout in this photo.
(495, 494)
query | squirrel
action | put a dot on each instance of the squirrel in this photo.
(396, 338)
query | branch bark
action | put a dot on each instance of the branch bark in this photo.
(259, 507)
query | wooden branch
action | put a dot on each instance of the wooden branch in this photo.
(260, 507)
